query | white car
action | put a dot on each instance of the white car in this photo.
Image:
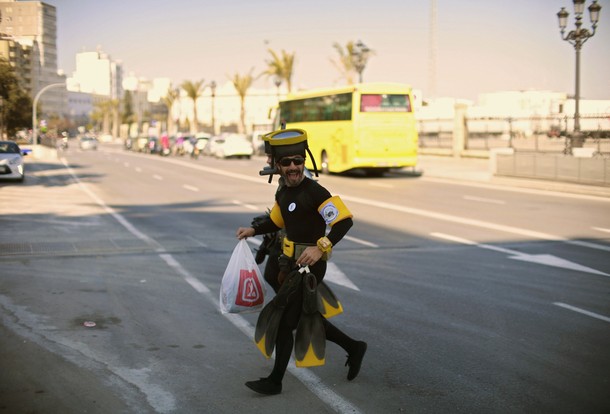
(88, 143)
(233, 145)
(11, 161)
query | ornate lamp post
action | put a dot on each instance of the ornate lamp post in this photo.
(213, 89)
(577, 38)
(360, 56)
(35, 104)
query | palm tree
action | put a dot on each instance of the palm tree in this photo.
(281, 67)
(345, 64)
(194, 90)
(242, 84)
(102, 113)
(168, 100)
(115, 107)
(352, 60)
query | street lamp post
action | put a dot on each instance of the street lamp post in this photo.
(577, 38)
(213, 89)
(35, 104)
(277, 80)
(360, 56)
(1, 118)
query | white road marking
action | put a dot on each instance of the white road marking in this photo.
(190, 187)
(484, 200)
(194, 282)
(360, 241)
(126, 164)
(336, 276)
(601, 229)
(138, 169)
(308, 378)
(433, 215)
(53, 222)
(473, 222)
(584, 312)
(249, 206)
(517, 189)
(157, 177)
(544, 259)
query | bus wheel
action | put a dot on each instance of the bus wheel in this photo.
(324, 166)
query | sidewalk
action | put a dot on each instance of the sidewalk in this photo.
(470, 169)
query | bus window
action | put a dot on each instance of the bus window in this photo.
(384, 103)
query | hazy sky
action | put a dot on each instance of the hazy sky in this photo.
(482, 45)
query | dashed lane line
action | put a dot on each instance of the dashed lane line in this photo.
(308, 378)
(582, 311)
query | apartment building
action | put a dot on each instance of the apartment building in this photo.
(29, 38)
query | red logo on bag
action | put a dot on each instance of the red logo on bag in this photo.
(250, 290)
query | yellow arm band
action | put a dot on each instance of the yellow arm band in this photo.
(324, 244)
(333, 211)
(276, 216)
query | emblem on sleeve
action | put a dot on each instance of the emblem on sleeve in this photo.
(330, 213)
(292, 206)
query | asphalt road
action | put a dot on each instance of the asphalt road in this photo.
(473, 298)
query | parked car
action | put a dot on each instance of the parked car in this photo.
(87, 143)
(200, 142)
(188, 144)
(11, 161)
(233, 145)
(258, 145)
(212, 145)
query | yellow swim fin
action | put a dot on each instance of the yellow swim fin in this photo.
(328, 304)
(268, 323)
(310, 339)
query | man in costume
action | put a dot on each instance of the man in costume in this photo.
(303, 209)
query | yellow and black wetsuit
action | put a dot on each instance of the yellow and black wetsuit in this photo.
(304, 212)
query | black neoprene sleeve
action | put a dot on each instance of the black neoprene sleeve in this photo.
(339, 230)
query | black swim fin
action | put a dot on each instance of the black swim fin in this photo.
(267, 325)
(328, 304)
(310, 339)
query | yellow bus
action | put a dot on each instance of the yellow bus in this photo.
(367, 126)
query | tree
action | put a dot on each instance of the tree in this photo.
(281, 67)
(194, 90)
(345, 63)
(127, 116)
(115, 110)
(16, 109)
(242, 84)
(102, 115)
(352, 60)
(168, 100)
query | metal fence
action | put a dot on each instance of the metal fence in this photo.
(538, 134)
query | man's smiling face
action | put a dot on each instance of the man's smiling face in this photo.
(291, 168)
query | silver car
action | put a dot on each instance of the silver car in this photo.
(11, 161)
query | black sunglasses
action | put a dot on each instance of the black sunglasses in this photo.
(285, 162)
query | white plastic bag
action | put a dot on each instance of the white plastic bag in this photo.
(242, 288)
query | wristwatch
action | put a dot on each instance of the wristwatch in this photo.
(324, 244)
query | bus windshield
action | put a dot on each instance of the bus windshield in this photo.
(384, 103)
